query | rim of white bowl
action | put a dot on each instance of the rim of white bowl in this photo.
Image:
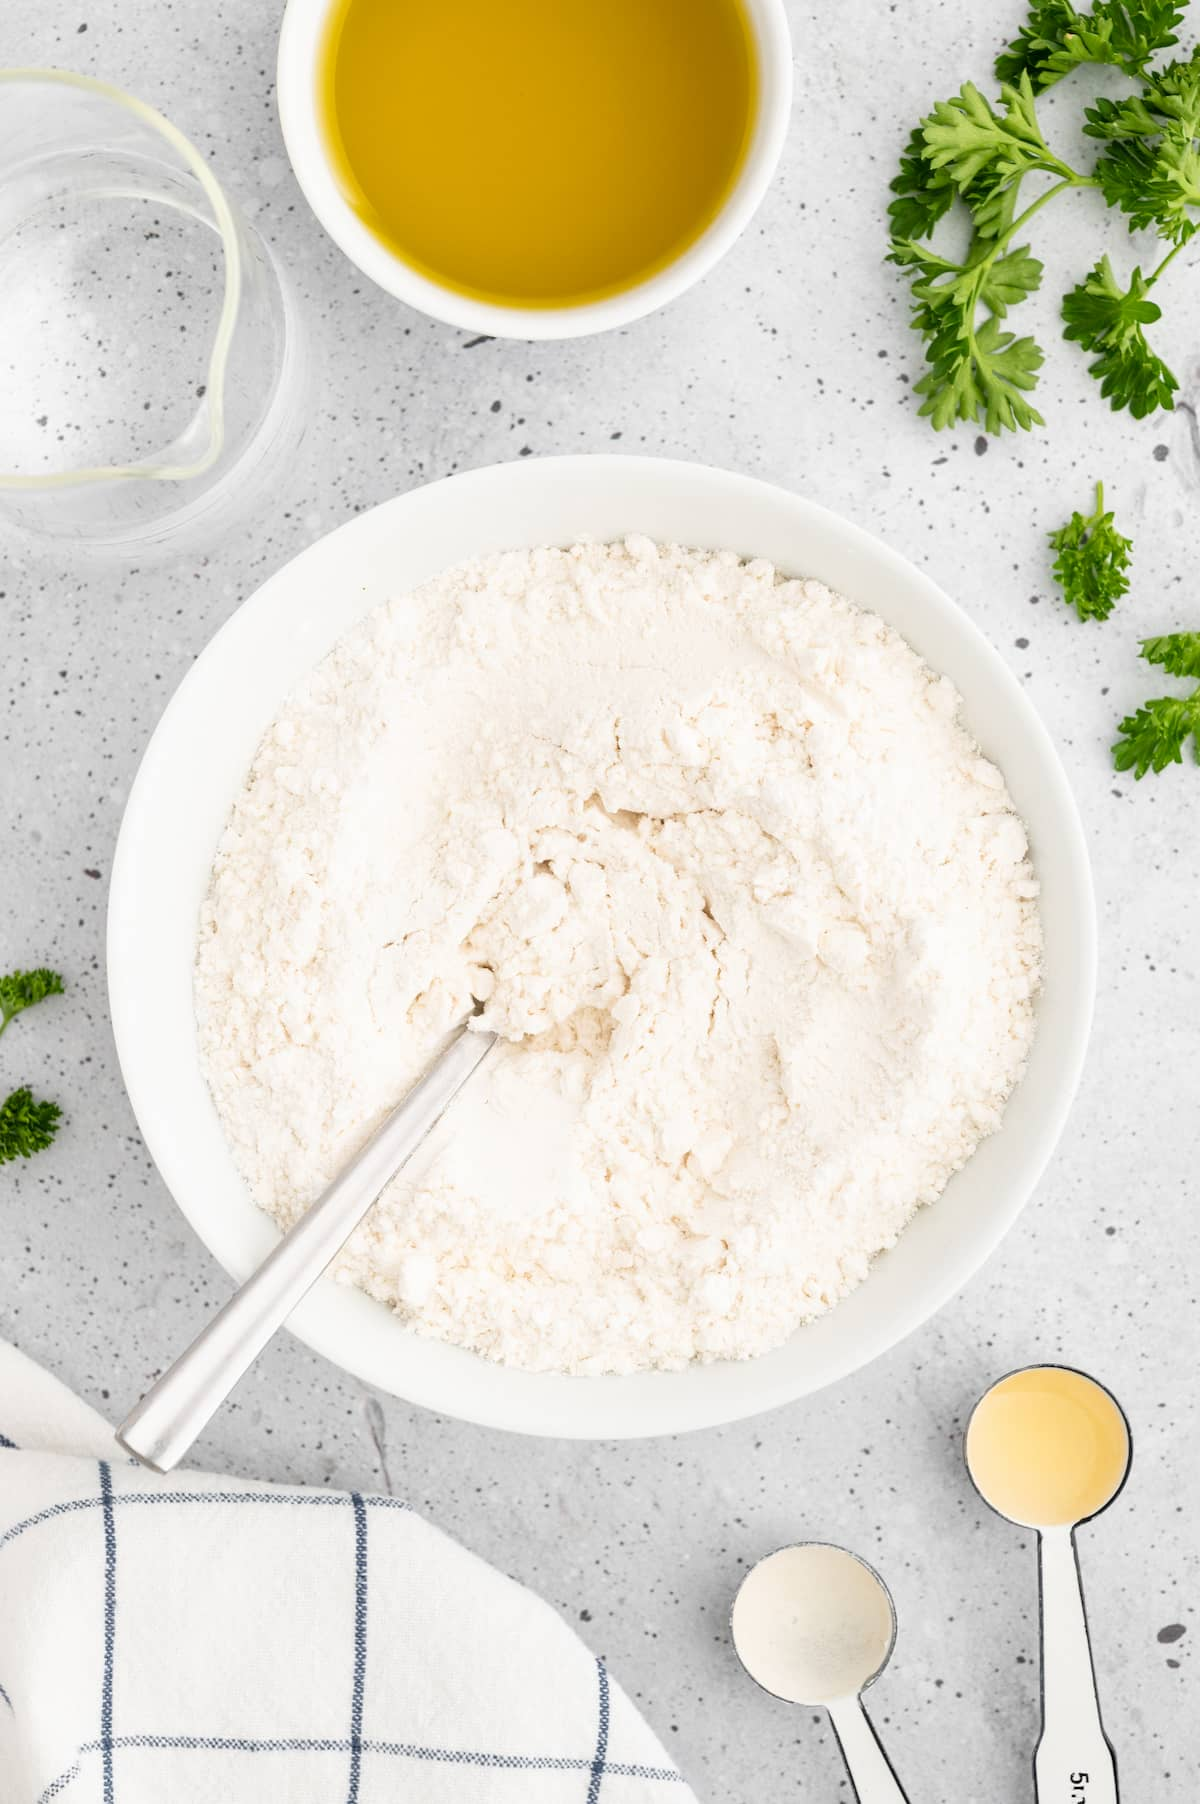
(299, 48)
(364, 1337)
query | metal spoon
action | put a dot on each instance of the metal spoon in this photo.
(814, 1624)
(173, 1412)
(1082, 1449)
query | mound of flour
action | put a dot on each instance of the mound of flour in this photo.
(754, 917)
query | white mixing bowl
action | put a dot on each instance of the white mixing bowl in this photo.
(196, 762)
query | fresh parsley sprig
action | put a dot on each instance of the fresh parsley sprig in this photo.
(977, 370)
(26, 1126)
(1105, 318)
(980, 154)
(1092, 560)
(972, 151)
(1057, 38)
(20, 990)
(1150, 167)
(1156, 734)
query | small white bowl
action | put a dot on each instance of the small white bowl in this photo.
(300, 44)
(198, 758)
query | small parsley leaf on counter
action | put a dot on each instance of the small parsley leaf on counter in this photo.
(26, 1126)
(1092, 560)
(1178, 653)
(23, 989)
(1156, 734)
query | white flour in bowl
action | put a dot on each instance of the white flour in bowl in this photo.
(751, 910)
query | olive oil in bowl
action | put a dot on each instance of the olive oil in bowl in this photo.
(537, 153)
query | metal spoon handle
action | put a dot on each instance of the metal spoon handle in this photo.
(1075, 1763)
(173, 1412)
(871, 1772)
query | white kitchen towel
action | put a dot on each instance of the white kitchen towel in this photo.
(203, 1640)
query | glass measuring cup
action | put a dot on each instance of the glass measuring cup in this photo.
(1048, 1448)
(814, 1624)
(149, 349)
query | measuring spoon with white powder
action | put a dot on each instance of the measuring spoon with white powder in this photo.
(173, 1412)
(814, 1624)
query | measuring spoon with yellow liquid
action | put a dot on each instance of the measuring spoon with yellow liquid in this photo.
(1049, 1448)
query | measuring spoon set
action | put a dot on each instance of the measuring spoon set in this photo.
(1047, 1448)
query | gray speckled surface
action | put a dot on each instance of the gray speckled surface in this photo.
(791, 362)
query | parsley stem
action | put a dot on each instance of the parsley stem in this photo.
(980, 269)
(1068, 181)
(1170, 256)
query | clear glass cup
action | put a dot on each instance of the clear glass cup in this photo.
(150, 354)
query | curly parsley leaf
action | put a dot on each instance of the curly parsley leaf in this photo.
(1056, 38)
(26, 1126)
(923, 195)
(23, 989)
(1092, 560)
(1156, 734)
(1178, 653)
(976, 372)
(983, 376)
(1151, 167)
(1107, 319)
(1010, 279)
(973, 142)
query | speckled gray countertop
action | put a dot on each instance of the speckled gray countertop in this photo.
(792, 362)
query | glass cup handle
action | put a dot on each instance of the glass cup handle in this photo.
(218, 361)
